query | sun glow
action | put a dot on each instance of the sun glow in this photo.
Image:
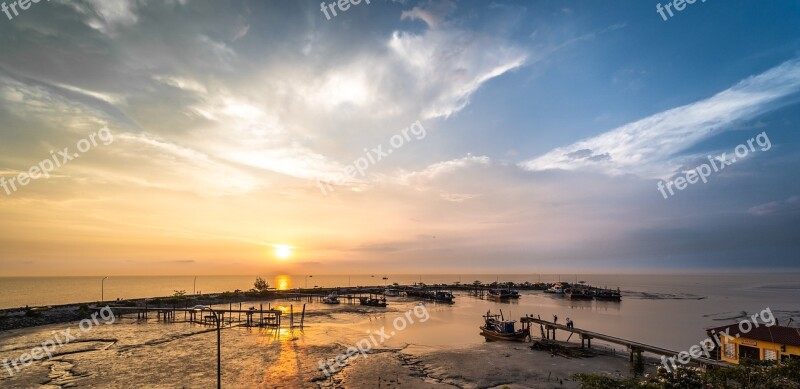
(283, 252)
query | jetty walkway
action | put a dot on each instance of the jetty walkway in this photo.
(548, 330)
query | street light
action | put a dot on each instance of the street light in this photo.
(219, 342)
(195, 286)
(102, 289)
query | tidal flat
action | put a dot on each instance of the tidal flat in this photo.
(443, 351)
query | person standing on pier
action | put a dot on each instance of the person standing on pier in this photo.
(555, 319)
(569, 323)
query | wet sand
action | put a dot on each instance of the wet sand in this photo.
(489, 365)
(445, 351)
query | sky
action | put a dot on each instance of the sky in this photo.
(256, 137)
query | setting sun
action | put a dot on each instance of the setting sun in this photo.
(283, 252)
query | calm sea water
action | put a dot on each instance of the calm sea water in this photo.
(671, 311)
(661, 309)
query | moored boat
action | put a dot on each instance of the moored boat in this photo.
(502, 294)
(373, 301)
(557, 288)
(442, 296)
(608, 295)
(497, 328)
(391, 292)
(576, 293)
(332, 298)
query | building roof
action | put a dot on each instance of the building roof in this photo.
(775, 334)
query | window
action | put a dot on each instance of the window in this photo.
(730, 350)
(770, 355)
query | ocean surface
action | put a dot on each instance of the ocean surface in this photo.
(666, 310)
(670, 311)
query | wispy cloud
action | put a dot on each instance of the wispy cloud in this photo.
(648, 147)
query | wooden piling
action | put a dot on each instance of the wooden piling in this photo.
(303, 316)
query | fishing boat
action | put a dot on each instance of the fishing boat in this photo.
(608, 295)
(441, 296)
(578, 293)
(557, 288)
(497, 328)
(416, 291)
(503, 294)
(332, 298)
(371, 301)
(392, 293)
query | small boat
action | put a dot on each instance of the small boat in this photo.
(416, 291)
(497, 328)
(442, 296)
(503, 294)
(557, 288)
(575, 293)
(608, 295)
(373, 301)
(392, 293)
(331, 299)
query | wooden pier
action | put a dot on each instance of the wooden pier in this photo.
(268, 318)
(548, 331)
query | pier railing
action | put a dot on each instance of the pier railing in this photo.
(548, 330)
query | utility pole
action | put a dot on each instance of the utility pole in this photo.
(102, 289)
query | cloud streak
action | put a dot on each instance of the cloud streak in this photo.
(648, 147)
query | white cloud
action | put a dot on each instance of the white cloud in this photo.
(107, 16)
(648, 147)
(432, 13)
(448, 66)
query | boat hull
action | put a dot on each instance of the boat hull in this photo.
(518, 336)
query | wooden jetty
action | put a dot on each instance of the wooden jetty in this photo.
(253, 317)
(548, 331)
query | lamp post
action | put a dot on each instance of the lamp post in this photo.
(102, 289)
(194, 285)
(219, 342)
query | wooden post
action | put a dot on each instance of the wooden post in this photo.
(240, 311)
(303, 316)
(291, 316)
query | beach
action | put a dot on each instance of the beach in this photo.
(182, 355)
(411, 343)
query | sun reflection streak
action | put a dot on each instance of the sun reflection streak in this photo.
(283, 282)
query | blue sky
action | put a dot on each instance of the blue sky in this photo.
(548, 126)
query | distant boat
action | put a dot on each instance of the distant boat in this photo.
(331, 299)
(557, 288)
(392, 292)
(373, 301)
(441, 295)
(578, 293)
(496, 328)
(608, 295)
(503, 294)
(435, 295)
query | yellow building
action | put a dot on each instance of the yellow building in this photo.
(774, 343)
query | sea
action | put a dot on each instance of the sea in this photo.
(667, 310)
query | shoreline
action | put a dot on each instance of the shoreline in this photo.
(32, 316)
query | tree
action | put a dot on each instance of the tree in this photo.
(260, 285)
(179, 293)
